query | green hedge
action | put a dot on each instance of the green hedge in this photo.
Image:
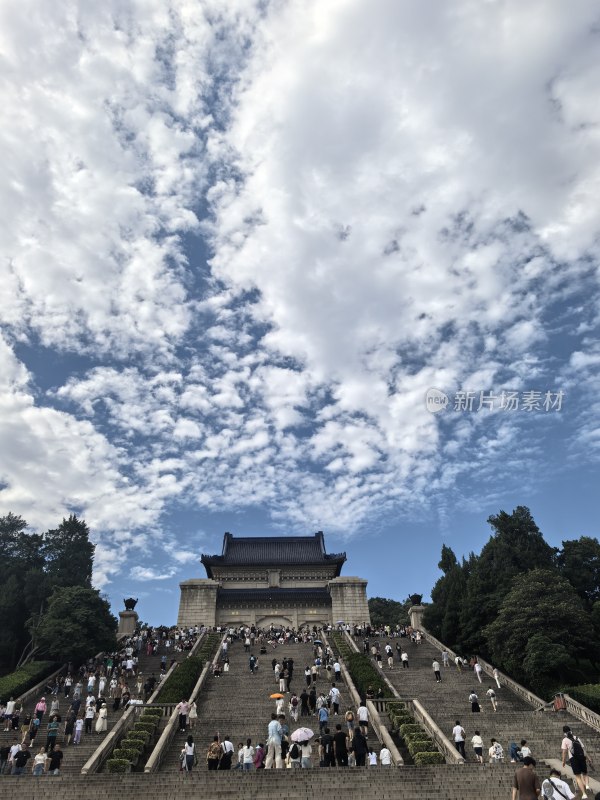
(410, 727)
(152, 712)
(140, 736)
(180, 684)
(421, 759)
(24, 678)
(365, 675)
(125, 754)
(145, 726)
(341, 645)
(420, 747)
(118, 765)
(588, 694)
(132, 744)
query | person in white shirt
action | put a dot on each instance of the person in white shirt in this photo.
(478, 671)
(334, 696)
(363, 718)
(385, 757)
(458, 734)
(372, 758)
(248, 755)
(477, 743)
(491, 694)
(554, 788)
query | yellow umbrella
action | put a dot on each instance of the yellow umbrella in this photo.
(277, 696)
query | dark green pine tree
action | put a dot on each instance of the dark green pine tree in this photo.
(442, 616)
(69, 554)
(579, 563)
(515, 547)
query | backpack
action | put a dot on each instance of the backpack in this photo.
(578, 752)
(294, 752)
(294, 701)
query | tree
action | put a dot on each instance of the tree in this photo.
(69, 553)
(442, 617)
(76, 624)
(515, 547)
(579, 563)
(388, 612)
(541, 632)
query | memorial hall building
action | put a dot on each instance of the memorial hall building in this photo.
(280, 580)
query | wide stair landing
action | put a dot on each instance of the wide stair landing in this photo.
(408, 783)
(448, 701)
(237, 704)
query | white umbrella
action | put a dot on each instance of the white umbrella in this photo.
(302, 735)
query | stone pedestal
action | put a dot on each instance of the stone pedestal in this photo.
(349, 601)
(415, 615)
(128, 621)
(198, 602)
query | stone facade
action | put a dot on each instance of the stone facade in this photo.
(284, 581)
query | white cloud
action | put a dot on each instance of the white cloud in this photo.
(395, 199)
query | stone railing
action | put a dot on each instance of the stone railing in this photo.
(40, 689)
(127, 720)
(578, 710)
(121, 728)
(378, 726)
(583, 713)
(161, 748)
(418, 711)
(515, 687)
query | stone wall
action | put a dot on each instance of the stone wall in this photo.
(198, 602)
(349, 600)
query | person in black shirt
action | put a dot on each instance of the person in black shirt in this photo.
(326, 742)
(20, 759)
(340, 746)
(4, 752)
(359, 747)
(55, 759)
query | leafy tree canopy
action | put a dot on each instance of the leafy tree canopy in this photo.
(579, 563)
(516, 546)
(541, 631)
(77, 624)
(388, 612)
(33, 565)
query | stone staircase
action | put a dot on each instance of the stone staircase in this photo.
(448, 701)
(408, 783)
(237, 703)
(75, 756)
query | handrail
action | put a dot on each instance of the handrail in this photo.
(110, 741)
(519, 690)
(582, 712)
(166, 738)
(125, 723)
(421, 714)
(379, 727)
(39, 687)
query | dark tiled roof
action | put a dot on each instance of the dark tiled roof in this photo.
(273, 551)
(276, 596)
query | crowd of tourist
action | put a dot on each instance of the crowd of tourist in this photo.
(77, 703)
(342, 743)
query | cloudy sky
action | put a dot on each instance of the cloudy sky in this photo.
(241, 240)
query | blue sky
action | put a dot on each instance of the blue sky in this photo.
(241, 241)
